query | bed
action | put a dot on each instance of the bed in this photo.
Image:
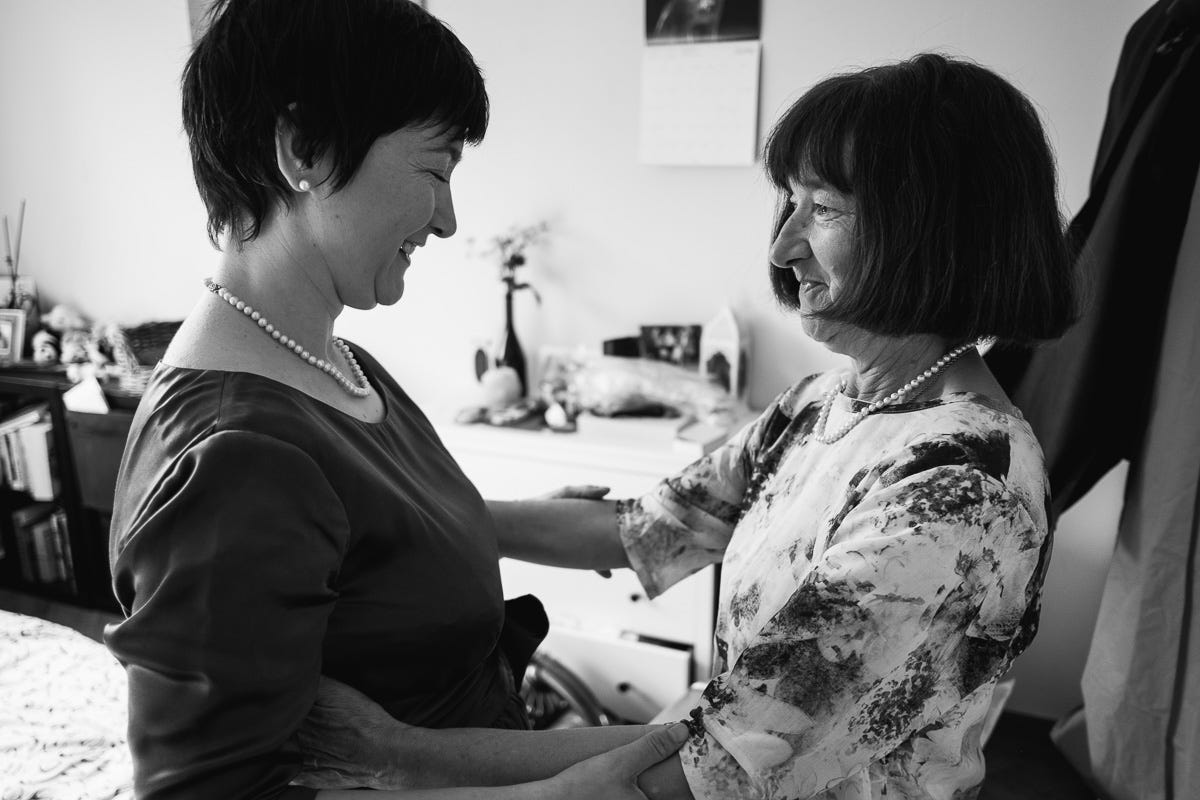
(62, 715)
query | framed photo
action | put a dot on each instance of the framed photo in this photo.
(700, 21)
(676, 344)
(12, 335)
(23, 294)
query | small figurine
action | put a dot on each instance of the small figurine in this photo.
(73, 346)
(500, 387)
(64, 318)
(45, 347)
(724, 347)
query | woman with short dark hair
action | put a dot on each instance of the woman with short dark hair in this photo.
(284, 511)
(882, 528)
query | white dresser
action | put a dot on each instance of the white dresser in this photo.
(637, 655)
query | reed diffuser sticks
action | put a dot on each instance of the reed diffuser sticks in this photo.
(12, 258)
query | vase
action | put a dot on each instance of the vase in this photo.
(509, 353)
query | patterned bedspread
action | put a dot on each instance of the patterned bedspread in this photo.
(62, 715)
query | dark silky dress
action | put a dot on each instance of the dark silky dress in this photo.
(260, 538)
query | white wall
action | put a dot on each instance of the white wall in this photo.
(90, 135)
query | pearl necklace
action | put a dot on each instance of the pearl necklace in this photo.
(359, 387)
(895, 397)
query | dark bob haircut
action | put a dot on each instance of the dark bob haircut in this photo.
(343, 72)
(958, 231)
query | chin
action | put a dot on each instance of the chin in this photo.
(363, 304)
(389, 297)
(823, 332)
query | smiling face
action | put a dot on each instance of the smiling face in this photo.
(366, 232)
(816, 242)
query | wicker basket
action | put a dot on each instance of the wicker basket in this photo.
(136, 350)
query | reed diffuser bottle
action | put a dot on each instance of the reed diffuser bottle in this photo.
(510, 247)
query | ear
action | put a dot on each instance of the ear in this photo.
(298, 174)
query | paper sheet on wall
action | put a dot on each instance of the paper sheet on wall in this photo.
(700, 103)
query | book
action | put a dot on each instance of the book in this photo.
(5, 464)
(16, 460)
(46, 567)
(25, 416)
(62, 538)
(33, 531)
(12, 462)
(37, 445)
(26, 559)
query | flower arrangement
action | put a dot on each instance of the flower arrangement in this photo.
(509, 248)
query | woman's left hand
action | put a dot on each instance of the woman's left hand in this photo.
(343, 741)
(585, 491)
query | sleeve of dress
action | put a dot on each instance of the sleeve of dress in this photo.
(909, 616)
(231, 564)
(684, 523)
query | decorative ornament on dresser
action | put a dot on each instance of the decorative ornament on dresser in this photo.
(509, 249)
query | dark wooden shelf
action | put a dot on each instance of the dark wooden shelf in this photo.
(82, 449)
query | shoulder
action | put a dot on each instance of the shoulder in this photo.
(184, 403)
(220, 424)
(961, 443)
(791, 414)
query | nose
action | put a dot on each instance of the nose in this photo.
(444, 223)
(791, 244)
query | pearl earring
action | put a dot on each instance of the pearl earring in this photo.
(304, 185)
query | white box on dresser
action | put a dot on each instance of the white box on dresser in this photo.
(637, 655)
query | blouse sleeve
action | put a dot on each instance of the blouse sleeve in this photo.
(227, 574)
(911, 614)
(685, 522)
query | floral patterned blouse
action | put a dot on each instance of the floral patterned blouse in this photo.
(873, 591)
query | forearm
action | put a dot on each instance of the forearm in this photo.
(581, 534)
(485, 774)
(415, 759)
(348, 740)
(486, 757)
(524, 791)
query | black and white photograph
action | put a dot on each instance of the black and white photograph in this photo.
(700, 21)
(574, 400)
(675, 344)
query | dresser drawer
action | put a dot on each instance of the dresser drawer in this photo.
(515, 464)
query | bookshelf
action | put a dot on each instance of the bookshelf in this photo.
(57, 469)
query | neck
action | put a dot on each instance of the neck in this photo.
(885, 364)
(297, 299)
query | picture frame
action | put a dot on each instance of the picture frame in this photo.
(702, 21)
(21, 293)
(12, 335)
(675, 344)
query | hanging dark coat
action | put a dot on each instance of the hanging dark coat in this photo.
(1087, 394)
(1124, 383)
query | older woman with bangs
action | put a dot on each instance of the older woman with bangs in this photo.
(882, 528)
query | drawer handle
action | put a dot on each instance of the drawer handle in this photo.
(636, 598)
